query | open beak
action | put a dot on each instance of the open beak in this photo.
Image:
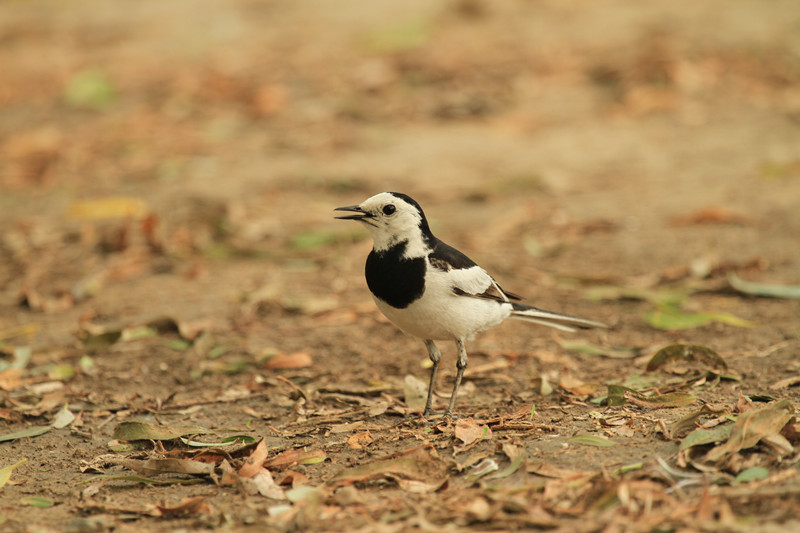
(360, 216)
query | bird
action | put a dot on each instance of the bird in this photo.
(432, 291)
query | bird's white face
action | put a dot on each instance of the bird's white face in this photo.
(391, 219)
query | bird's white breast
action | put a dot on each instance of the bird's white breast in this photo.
(441, 314)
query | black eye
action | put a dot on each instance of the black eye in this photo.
(389, 209)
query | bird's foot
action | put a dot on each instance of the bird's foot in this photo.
(430, 418)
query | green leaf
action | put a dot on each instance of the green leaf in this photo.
(591, 440)
(671, 318)
(616, 394)
(754, 473)
(61, 372)
(656, 296)
(764, 289)
(628, 468)
(86, 363)
(400, 37)
(510, 469)
(5, 472)
(90, 88)
(36, 501)
(33, 431)
(700, 437)
(138, 332)
(179, 345)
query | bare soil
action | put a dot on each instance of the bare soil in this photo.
(168, 254)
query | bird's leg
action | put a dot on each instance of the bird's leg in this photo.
(461, 364)
(435, 355)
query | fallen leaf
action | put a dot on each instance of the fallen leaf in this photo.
(358, 441)
(671, 318)
(418, 464)
(33, 431)
(591, 440)
(133, 430)
(763, 289)
(546, 469)
(469, 432)
(36, 501)
(695, 354)
(299, 456)
(162, 481)
(90, 88)
(110, 207)
(11, 379)
(149, 467)
(688, 421)
(753, 426)
(509, 470)
(576, 386)
(295, 479)
(288, 361)
(264, 485)
(785, 383)
(63, 418)
(755, 473)
(700, 436)
(415, 392)
(5, 472)
(254, 463)
(714, 214)
(484, 468)
(187, 507)
(670, 399)
(657, 297)
(299, 494)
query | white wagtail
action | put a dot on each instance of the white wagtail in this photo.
(432, 291)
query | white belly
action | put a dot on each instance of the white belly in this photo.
(440, 314)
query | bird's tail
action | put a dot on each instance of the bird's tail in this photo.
(552, 319)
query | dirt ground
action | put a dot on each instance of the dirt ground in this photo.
(168, 255)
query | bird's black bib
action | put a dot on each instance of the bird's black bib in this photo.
(396, 280)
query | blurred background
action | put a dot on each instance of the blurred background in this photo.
(594, 139)
(168, 174)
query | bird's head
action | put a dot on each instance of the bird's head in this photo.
(392, 218)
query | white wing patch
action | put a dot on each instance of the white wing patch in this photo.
(473, 280)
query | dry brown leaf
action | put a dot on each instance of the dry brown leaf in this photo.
(262, 483)
(295, 456)
(253, 463)
(420, 468)
(469, 432)
(714, 214)
(752, 427)
(785, 383)
(360, 440)
(187, 507)
(295, 479)
(545, 469)
(288, 361)
(11, 379)
(151, 467)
